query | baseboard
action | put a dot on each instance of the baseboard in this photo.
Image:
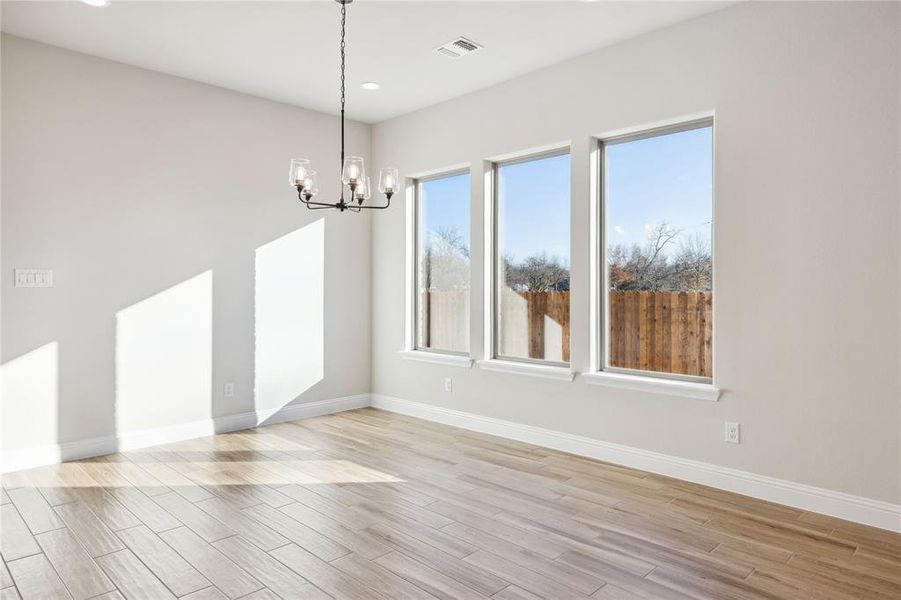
(15, 460)
(876, 513)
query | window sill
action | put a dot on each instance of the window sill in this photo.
(449, 360)
(533, 370)
(671, 387)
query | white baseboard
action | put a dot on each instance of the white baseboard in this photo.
(877, 513)
(15, 460)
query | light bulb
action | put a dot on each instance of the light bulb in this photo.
(311, 183)
(388, 180)
(353, 171)
(299, 169)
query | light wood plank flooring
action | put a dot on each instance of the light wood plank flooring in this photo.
(368, 504)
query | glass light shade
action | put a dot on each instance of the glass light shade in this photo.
(353, 171)
(363, 190)
(388, 180)
(299, 169)
(311, 183)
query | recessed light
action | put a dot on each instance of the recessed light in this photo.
(97, 3)
(370, 85)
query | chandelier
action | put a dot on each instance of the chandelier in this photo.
(353, 172)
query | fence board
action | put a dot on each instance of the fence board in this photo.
(668, 332)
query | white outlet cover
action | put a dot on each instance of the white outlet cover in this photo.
(448, 384)
(733, 433)
(229, 390)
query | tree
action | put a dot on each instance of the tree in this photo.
(652, 268)
(445, 261)
(692, 265)
(539, 273)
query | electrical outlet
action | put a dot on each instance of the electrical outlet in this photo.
(733, 433)
(229, 390)
(448, 384)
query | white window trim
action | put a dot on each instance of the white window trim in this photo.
(530, 369)
(654, 385)
(438, 358)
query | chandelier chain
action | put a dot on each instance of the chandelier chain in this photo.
(343, 23)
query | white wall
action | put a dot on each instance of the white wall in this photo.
(806, 97)
(163, 207)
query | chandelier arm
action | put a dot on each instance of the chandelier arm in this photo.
(311, 204)
(387, 204)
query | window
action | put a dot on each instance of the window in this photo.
(442, 263)
(532, 235)
(658, 221)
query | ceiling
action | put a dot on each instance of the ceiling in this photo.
(288, 51)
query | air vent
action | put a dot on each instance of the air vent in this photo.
(458, 47)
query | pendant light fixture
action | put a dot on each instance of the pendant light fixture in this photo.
(354, 181)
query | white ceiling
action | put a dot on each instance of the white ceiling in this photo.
(288, 51)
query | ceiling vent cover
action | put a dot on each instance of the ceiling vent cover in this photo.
(458, 47)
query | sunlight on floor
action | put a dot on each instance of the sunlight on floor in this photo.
(180, 473)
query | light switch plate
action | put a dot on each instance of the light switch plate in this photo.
(34, 278)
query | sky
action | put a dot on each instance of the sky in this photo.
(649, 181)
(533, 208)
(664, 178)
(444, 204)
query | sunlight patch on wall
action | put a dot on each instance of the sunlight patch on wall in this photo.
(289, 309)
(164, 357)
(29, 387)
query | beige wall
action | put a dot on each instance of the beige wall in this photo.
(163, 207)
(806, 97)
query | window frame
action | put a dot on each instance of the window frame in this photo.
(494, 256)
(416, 235)
(602, 306)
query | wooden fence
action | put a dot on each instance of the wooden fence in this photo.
(547, 318)
(444, 321)
(668, 332)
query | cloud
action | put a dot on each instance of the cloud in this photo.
(619, 229)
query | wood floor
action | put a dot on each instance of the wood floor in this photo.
(368, 504)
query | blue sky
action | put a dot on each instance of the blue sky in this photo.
(648, 181)
(533, 209)
(444, 204)
(664, 178)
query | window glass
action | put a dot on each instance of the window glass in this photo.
(658, 194)
(442, 257)
(532, 252)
